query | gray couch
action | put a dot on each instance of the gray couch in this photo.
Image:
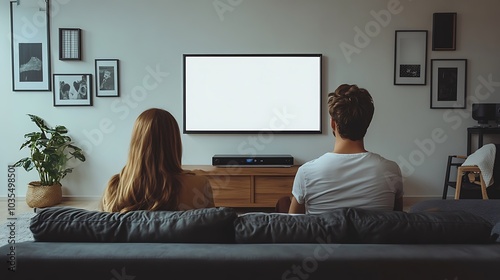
(434, 240)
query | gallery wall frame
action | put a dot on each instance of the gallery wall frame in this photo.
(410, 57)
(107, 78)
(30, 45)
(444, 31)
(448, 83)
(70, 44)
(72, 89)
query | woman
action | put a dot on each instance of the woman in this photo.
(153, 178)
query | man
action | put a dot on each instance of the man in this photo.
(350, 176)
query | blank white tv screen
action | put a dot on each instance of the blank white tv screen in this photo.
(252, 93)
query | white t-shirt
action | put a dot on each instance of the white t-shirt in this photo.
(364, 180)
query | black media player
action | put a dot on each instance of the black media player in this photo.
(252, 160)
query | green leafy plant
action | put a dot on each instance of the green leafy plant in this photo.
(50, 151)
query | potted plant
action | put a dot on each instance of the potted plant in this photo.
(50, 150)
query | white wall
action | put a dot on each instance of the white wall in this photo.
(152, 36)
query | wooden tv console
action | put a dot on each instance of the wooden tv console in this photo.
(258, 187)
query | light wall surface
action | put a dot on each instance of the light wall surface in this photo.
(356, 38)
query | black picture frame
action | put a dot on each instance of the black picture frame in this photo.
(70, 44)
(30, 45)
(444, 31)
(448, 83)
(410, 57)
(107, 75)
(72, 89)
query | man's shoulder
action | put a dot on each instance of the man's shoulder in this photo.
(314, 161)
(385, 164)
(380, 157)
(368, 158)
(326, 161)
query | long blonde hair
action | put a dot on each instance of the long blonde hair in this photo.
(150, 178)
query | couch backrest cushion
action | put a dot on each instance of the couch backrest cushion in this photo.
(65, 224)
(354, 225)
(488, 209)
(453, 227)
(331, 227)
(223, 225)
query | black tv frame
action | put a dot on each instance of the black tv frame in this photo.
(319, 131)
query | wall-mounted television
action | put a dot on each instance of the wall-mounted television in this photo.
(252, 93)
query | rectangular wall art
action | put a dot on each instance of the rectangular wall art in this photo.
(410, 57)
(107, 78)
(448, 83)
(444, 31)
(30, 45)
(72, 90)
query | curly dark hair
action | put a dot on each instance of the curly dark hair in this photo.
(351, 108)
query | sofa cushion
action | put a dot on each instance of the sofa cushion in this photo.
(488, 209)
(395, 227)
(355, 225)
(331, 227)
(65, 224)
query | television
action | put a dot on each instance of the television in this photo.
(252, 93)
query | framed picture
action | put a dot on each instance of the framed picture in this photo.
(30, 45)
(70, 44)
(448, 83)
(410, 57)
(72, 90)
(107, 78)
(444, 31)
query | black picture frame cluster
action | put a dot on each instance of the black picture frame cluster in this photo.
(448, 78)
(31, 67)
(70, 89)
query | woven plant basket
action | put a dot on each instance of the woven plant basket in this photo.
(39, 196)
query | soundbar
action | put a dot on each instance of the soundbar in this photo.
(252, 160)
